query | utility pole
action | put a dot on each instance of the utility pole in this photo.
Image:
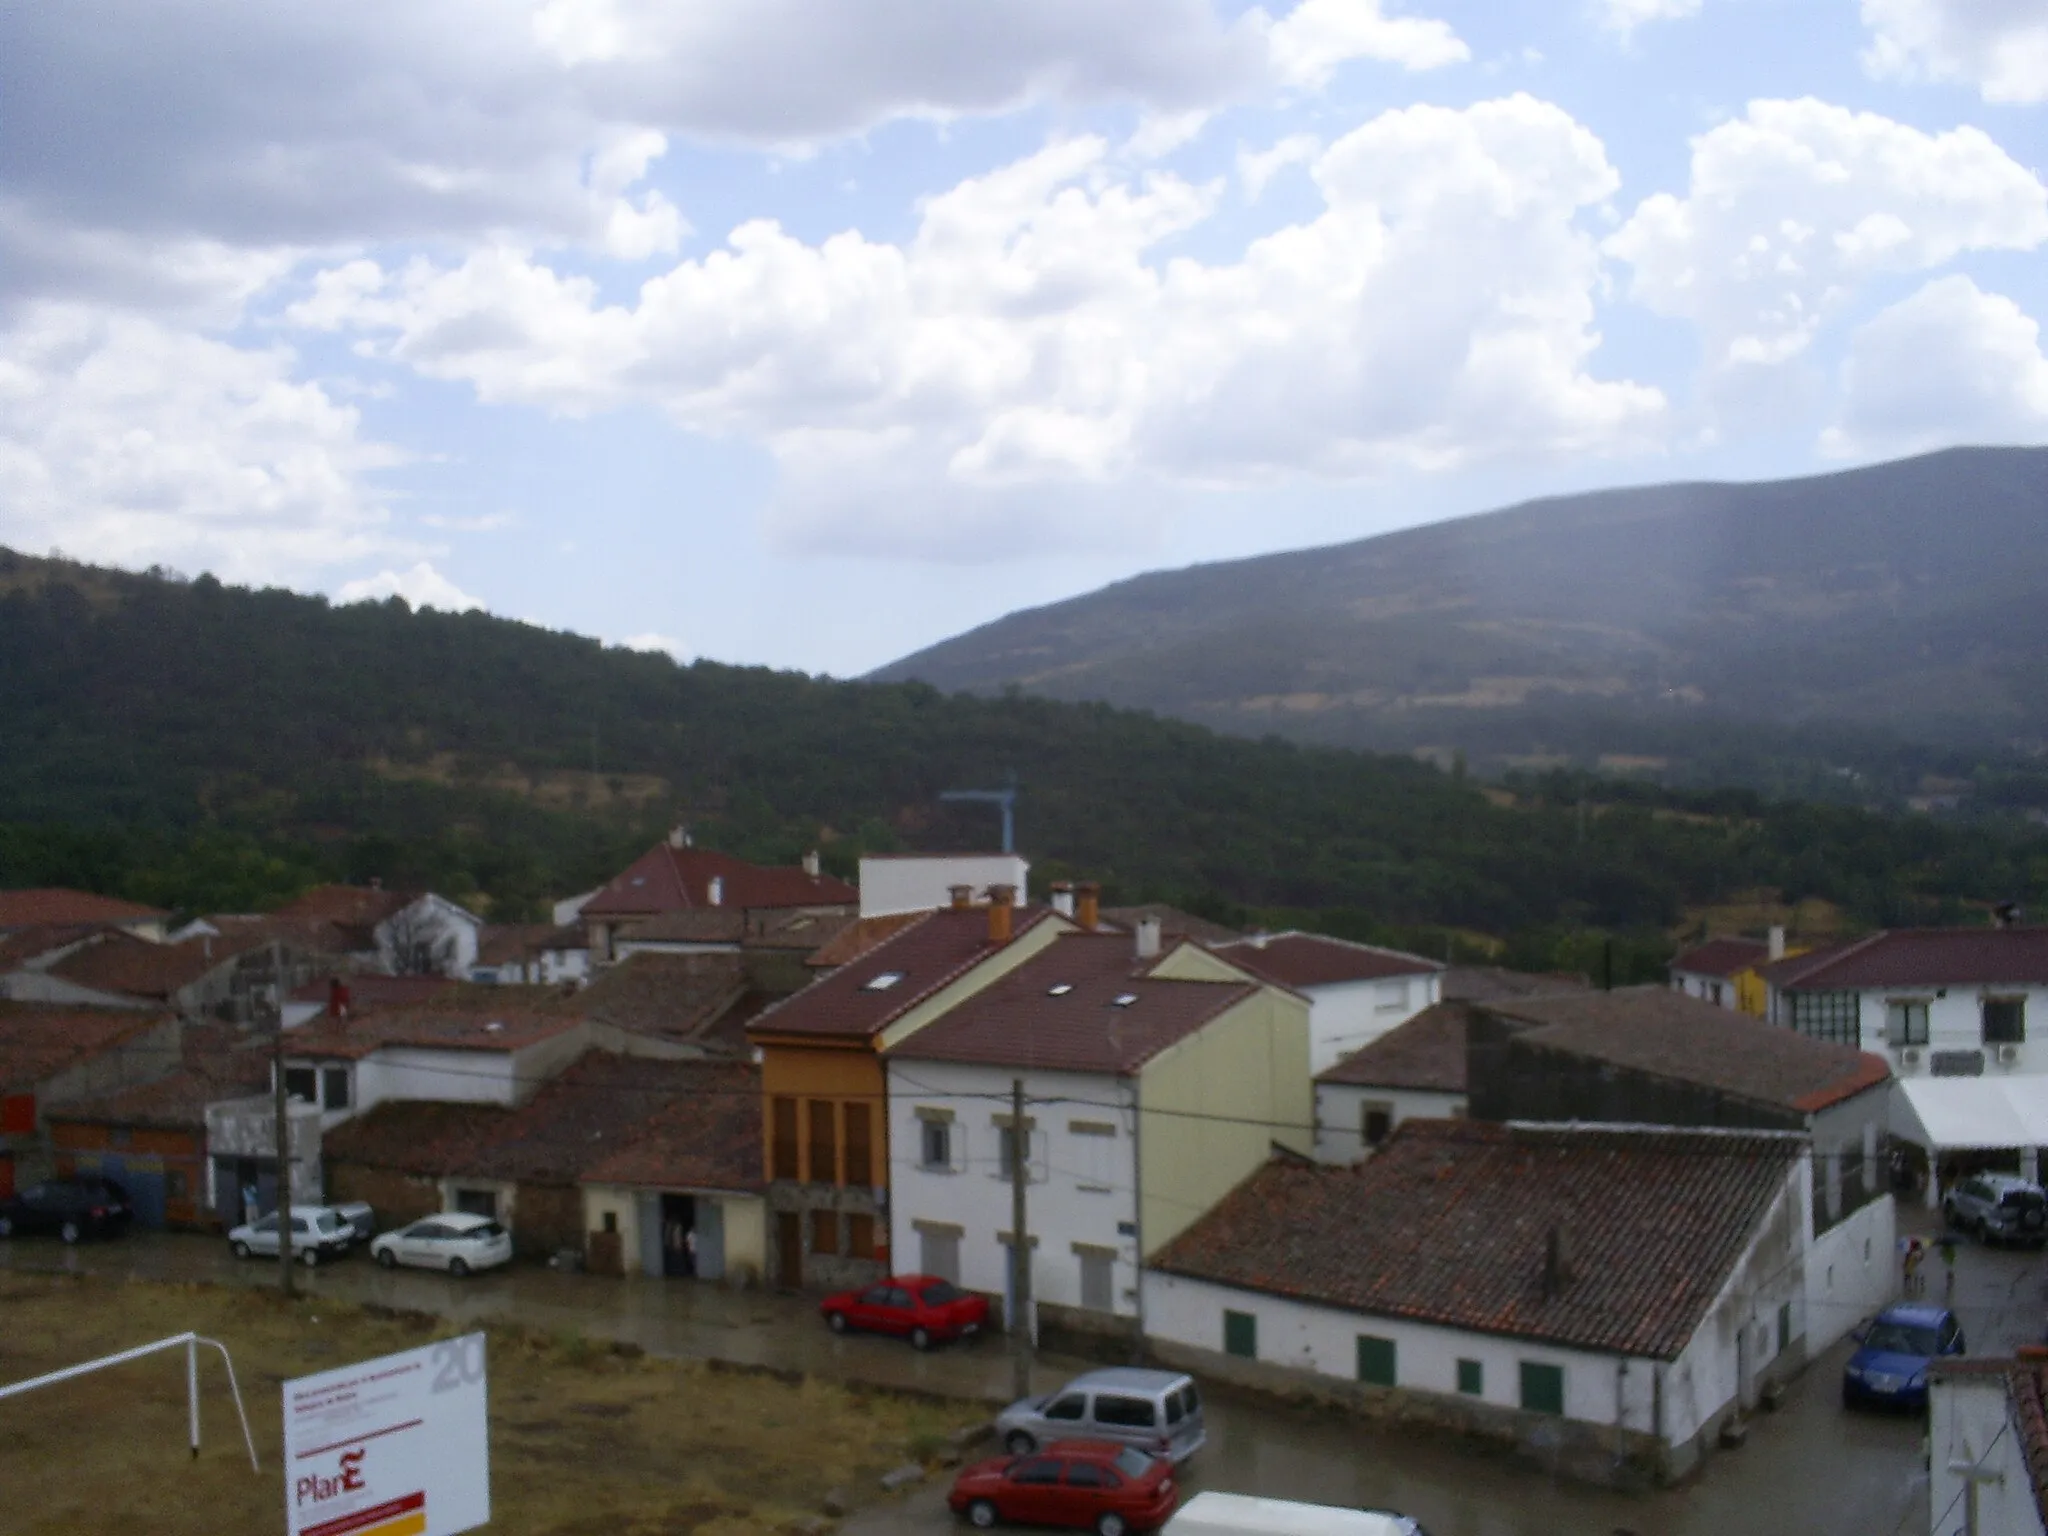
(282, 1105)
(1020, 1246)
(1974, 1475)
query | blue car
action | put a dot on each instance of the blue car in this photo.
(1889, 1368)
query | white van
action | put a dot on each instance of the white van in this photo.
(1237, 1514)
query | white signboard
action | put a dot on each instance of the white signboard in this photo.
(392, 1447)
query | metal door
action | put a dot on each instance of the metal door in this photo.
(939, 1254)
(648, 1212)
(1097, 1275)
(710, 1239)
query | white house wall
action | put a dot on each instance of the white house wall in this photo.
(889, 886)
(1082, 1188)
(1347, 1016)
(1970, 1418)
(1955, 1022)
(1851, 1273)
(1340, 1115)
(454, 1077)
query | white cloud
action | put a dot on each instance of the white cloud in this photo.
(421, 586)
(136, 444)
(652, 641)
(1998, 46)
(1437, 311)
(1312, 40)
(1951, 364)
(1795, 204)
(1256, 168)
(1624, 16)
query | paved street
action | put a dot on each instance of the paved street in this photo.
(1810, 1468)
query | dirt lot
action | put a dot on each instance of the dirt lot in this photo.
(584, 1439)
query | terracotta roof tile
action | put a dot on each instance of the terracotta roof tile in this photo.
(348, 906)
(503, 943)
(1110, 1017)
(1427, 1052)
(1316, 960)
(55, 906)
(668, 879)
(708, 1136)
(122, 963)
(38, 1042)
(1722, 957)
(1925, 957)
(511, 1026)
(178, 1100)
(678, 998)
(689, 925)
(858, 937)
(1453, 1222)
(1173, 923)
(1667, 1034)
(370, 992)
(1484, 983)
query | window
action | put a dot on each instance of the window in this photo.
(1094, 1156)
(1241, 1335)
(1041, 1470)
(477, 1202)
(783, 1159)
(824, 1232)
(1085, 1474)
(1098, 1281)
(611, 1221)
(860, 1168)
(2005, 1020)
(334, 1088)
(1375, 1360)
(882, 982)
(1905, 1021)
(1832, 1016)
(942, 1293)
(876, 1296)
(1070, 1409)
(1390, 996)
(1713, 992)
(1542, 1387)
(935, 1145)
(824, 1142)
(1125, 1412)
(939, 1253)
(860, 1237)
(1375, 1123)
(1006, 1149)
(302, 1083)
(1471, 1378)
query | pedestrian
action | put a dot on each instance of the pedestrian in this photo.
(1916, 1252)
(690, 1251)
(1947, 1248)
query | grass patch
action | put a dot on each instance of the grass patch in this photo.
(584, 1438)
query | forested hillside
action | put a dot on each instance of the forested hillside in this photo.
(207, 747)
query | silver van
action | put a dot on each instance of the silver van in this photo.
(1159, 1412)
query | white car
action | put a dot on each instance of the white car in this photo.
(454, 1241)
(319, 1233)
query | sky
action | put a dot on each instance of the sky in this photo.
(807, 333)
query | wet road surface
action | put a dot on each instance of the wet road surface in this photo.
(1809, 1469)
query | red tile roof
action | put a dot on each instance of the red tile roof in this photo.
(54, 906)
(924, 956)
(1722, 957)
(511, 1026)
(680, 998)
(178, 1100)
(708, 1136)
(371, 992)
(1483, 983)
(505, 943)
(688, 925)
(1923, 957)
(122, 963)
(858, 937)
(1666, 1034)
(1316, 960)
(1173, 923)
(346, 906)
(1455, 1223)
(38, 1042)
(1427, 1052)
(21, 945)
(1020, 1021)
(667, 878)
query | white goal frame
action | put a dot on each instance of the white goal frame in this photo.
(190, 1342)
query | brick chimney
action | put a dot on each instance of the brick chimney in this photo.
(1088, 908)
(1062, 897)
(1002, 900)
(963, 896)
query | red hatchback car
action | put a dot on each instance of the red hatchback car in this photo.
(921, 1308)
(1095, 1485)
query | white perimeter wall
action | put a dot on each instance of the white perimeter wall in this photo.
(1852, 1272)
(1598, 1389)
(1340, 1115)
(918, 885)
(1082, 1185)
(1967, 1417)
(1349, 1015)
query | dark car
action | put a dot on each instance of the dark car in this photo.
(1889, 1368)
(1095, 1485)
(71, 1208)
(1999, 1208)
(921, 1308)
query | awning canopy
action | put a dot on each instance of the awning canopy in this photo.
(1967, 1113)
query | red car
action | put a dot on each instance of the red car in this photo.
(922, 1308)
(1096, 1485)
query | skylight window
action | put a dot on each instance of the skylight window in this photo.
(882, 982)
(1059, 989)
(1123, 1000)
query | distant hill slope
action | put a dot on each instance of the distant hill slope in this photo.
(202, 746)
(1905, 601)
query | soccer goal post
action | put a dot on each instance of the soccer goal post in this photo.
(189, 1342)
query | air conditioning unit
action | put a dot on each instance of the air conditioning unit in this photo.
(2008, 1055)
(1910, 1056)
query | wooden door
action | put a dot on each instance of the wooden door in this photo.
(789, 1250)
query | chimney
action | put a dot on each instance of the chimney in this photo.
(679, 836)
(811, 866)
(963, 896)
(1063, 897)
(1259, 939)
(1148, 938)
(337, 998)
(1001, 900)
(1557, 1262)
(1777, 938)
(714, 891)
(2006, 914)
(1088, 906)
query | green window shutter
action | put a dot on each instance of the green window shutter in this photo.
(1375, 1360)
(1241, 1335)
(1542, 1387)
(1471, 1378)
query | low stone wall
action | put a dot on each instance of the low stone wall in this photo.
(1590, 1453)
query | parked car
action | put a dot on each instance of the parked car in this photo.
(1159, 1412)
(319, 1233)
(74, 1209)
(1893, 1353)
(921, 1308)
(1998, 1207)
(1096, 1485)
(361, 1219)
(1237, 1514)
(455, 1241)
